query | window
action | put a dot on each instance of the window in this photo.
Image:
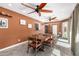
(65, 29)
(3, 23)
(23, 22)
(29, 25)
(37, 27)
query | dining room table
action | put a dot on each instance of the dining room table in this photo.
(38, 41)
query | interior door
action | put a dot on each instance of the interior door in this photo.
(54, 29)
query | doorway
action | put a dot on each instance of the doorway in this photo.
(54, 30)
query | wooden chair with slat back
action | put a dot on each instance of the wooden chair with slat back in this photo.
(49, 41)
(35, 44)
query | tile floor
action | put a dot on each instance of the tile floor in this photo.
(61, 49)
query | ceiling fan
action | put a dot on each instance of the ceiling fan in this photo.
(52, 18)
(38, 8)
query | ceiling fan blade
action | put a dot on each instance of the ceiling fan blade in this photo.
(32, 12)
(53, 18)
(42, 5)
(29, 6)
(47, 11)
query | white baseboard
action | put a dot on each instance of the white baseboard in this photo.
(13, 46)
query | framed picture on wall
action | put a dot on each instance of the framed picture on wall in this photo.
(22, 22)
(29, 25)
(36, 26)
(3, 23)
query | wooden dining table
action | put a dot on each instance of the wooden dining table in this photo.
(37, 41)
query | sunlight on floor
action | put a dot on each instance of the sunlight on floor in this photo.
(56, 52)
(63, 40)
(63, 44)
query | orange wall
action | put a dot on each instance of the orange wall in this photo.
(15, 31)
(59, 26)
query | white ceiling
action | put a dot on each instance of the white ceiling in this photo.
(60, 10)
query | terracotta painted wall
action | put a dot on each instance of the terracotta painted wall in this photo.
(15, 32)
(59, 26)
